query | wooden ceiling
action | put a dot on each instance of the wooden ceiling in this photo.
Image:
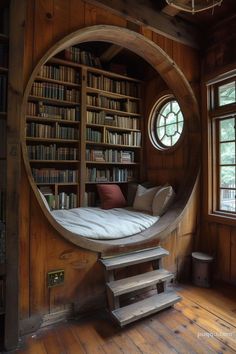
(205, 19)
(164, 19)
(194, 30)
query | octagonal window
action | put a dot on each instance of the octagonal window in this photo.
(167, 123)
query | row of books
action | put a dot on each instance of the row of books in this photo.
(131, 139)
(2, 205)
(55, 91)
(3, 93)
(61, 200)
(2, 250)
(115, 104)
(115, 120)
(43, 110)
(83, 57)
(93, 135)
(51, 152)
(3, 138)
(4, 55)
(90, 199)
(55, 131)
(60, 73)
(105, 83)
(109, 155)
(51, 175)
(114, 174)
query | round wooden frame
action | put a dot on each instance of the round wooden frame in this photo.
(181, 89)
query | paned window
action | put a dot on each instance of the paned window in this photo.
(227, 166)
(223, 122)
(167, 123)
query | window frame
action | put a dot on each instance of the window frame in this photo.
(216, 102)
(152, 123)
(216, 115)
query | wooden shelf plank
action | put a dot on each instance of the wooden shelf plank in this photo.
(54, 81)
(58, 184)
(111, 94)
(51, 119)
(54, 161)
(3, 69)
(4, 37)
(140, 309)
(110, 182)
(2, 311)
(53, 100)
(114, 145)
(2, 269)
(134, 258)
(112, 127)
(35, 139)
(140, 281)
(111, 163)
(114, 111)
(3, 114)
(93, 69)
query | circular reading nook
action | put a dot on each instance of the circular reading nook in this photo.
(88, 136)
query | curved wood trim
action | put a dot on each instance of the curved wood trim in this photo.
(182, 90)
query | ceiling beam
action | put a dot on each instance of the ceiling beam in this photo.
(110, 53)
(143, 13)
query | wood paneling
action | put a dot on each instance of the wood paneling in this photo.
(233, 256)
(42, 248)
(218, 234)
(220, 54)
(13, 172)
(25, 247)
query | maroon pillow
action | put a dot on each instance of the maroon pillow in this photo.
(111, 196)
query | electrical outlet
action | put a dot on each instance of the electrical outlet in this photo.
(56, 278)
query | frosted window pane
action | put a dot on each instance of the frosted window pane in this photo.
(226, 94)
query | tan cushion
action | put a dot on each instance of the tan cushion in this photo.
(162, 200)
(143, 198)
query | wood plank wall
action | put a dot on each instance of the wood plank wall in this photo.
(217, 236)
(41, 248)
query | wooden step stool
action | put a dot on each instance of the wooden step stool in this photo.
(116, 288)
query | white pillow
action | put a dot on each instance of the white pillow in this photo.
(143, 198)
(162, 200)
(44, 200)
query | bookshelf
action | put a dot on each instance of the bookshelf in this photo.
(53, 134)
(83, 127)
(113, 130)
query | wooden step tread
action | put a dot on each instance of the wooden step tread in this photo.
(140, 309)
(140, 281)
(134, 258)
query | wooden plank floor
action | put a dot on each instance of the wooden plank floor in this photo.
(203, 322)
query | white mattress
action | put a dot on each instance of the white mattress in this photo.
(103, 224)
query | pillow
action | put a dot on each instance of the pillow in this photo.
(162, 200)
(111, 196)
(143, 198)
(44, 200)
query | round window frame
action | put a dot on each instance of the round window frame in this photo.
(153, 117)
(153, 54)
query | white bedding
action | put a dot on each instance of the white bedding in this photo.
(103, 224)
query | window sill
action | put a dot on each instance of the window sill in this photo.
(222, 218)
